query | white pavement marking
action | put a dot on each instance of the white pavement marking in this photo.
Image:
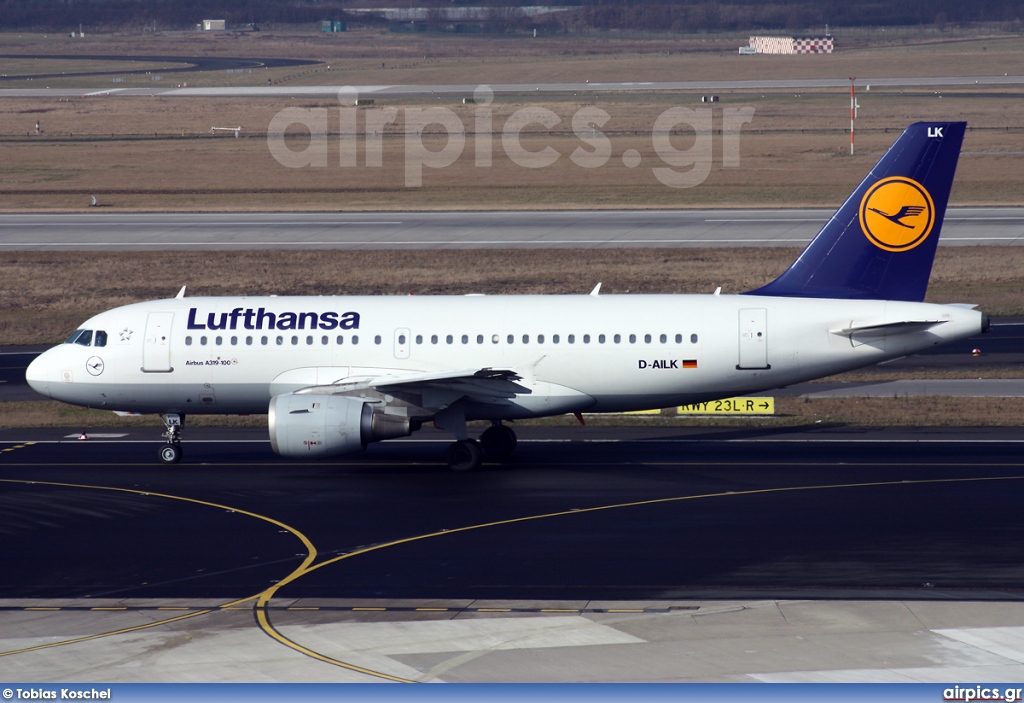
(342, 640)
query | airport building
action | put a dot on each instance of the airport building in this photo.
(791, 45)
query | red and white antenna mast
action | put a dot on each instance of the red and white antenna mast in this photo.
(853, 112)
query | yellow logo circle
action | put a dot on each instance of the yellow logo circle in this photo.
(897, 214)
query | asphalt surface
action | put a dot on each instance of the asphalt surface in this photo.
(576, 87)
(189, 64)
(95, 231)
(585, 513)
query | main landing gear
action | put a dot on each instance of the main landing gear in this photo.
(496, 444)
(170, 453)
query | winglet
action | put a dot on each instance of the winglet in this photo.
(597, 289)
(880, 244)
(181, 293)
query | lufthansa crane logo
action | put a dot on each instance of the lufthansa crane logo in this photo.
(897, 214)
(94, 365)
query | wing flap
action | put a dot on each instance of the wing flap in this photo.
(487, 385)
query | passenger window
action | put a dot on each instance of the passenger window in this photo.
(512, 339)
(202, 341)
(586, 339)
(188, 341)
(664, 338)
(101, 339)
(325, 340)
(449, 339)
(219, 341)
(280, 340)
(401, 339)
(540, 339)
(479, 339)
(679, 339)
(295, 339)
(376, 339)
(355, 339)
(693, 339)
(248, 341)
(433, 339)
(600, 338)
(465, 339)
(571, 339)
(340, 339)
(554, 339)
(309, 340)
(234, 341)
(264, 340)
(419, 339)
(632, 339)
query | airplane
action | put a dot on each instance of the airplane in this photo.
(335, 373)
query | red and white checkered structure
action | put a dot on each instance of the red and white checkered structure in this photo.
(792, 45)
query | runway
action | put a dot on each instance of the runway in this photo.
(620, 536)
(95, 231)
(331, 92)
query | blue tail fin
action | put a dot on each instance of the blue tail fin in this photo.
(881, 243)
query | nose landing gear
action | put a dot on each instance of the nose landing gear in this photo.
(171, 452)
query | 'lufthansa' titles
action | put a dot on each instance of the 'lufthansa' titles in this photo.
(261, 319)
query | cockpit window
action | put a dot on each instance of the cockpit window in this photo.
(83, 337)
(100, 340)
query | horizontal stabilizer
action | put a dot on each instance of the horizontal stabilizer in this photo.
(889, 328)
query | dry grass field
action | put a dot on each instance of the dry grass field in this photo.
(158, 153)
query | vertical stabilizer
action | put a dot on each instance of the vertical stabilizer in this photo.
(881, 243)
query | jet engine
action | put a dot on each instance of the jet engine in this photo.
(312, 425)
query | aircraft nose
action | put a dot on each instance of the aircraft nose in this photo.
(37, 377)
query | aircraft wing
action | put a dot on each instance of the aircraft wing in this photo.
(487, 385)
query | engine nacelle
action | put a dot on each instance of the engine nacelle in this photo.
(311, 425)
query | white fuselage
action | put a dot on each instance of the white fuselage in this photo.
(595, 353)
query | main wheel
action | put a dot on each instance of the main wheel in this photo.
(170, 453)
(498, 442)
(464, 455)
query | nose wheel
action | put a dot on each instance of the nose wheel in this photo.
(171, 452)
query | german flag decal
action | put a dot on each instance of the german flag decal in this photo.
(689, 363)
